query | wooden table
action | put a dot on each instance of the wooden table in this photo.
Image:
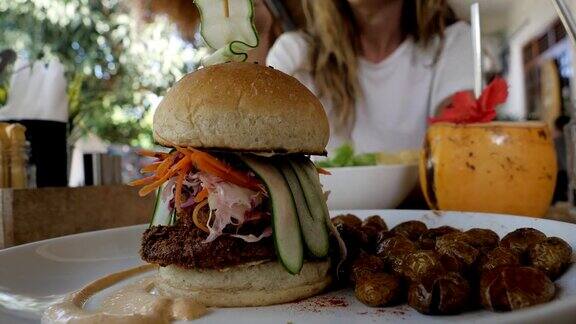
(28, 215)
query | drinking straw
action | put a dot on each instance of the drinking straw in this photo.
(477, 48)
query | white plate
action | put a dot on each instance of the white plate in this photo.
(58, 266)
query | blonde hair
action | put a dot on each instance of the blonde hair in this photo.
(333, 35)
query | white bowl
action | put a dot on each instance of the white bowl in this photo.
(369, 187)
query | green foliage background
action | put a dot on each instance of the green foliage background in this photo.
(116, 66)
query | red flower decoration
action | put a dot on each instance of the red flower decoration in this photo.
(465, 109)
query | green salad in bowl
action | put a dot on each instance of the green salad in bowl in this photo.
(379, 180)
(345, 156)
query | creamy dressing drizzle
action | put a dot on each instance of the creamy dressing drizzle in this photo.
(134, 303)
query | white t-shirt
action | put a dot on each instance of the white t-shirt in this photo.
(399, 93)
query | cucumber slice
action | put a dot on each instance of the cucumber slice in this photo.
(162, 214)
(309, 178)
(307, 173)
(233, 52)
(313, 229)
(285, 226)
(227, 26)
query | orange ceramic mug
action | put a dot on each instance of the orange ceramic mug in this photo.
(496, 167)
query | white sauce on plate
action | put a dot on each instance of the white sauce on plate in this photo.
(134, 303)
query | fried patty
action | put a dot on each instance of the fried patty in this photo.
(184, 246)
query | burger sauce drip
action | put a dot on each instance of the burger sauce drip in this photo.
(134, 303)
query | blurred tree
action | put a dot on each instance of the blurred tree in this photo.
(116, 65)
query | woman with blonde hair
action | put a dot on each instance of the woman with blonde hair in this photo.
(380, 67)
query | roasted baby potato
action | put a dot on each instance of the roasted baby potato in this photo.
(365, 265)
(350, 232)
(376, 222)
(455, 252)
(393, 249)
(498, 257)
(519, 240)
(348, 227)
(371, 227)
(510, 288)
(445, 294)
(419, 265)
(378, 289)
(348, 219)
(427, 240)
(410, 229)
(483, 239)
(443, 270)
(552, 256)
(382, 236)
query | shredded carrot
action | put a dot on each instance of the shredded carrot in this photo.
(179, 163)
(206, 162)
(150, 167)
(207, 167)
(172, 171)
(182, 150)
(203, 194)
(323, 171)
(166, 164)
(166, 167)
(195, 216)
(143, 181)
(153, 154)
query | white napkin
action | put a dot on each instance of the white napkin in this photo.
(37, 92)
(85, 145)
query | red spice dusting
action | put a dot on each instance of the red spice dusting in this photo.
(324, 303)
(398, 311)
(317, 304)
(333, 302)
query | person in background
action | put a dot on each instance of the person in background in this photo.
(380, 67)
(561, 190)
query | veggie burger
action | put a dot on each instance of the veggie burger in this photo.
(240, 216)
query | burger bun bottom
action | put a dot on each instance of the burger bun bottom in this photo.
(247, 285)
